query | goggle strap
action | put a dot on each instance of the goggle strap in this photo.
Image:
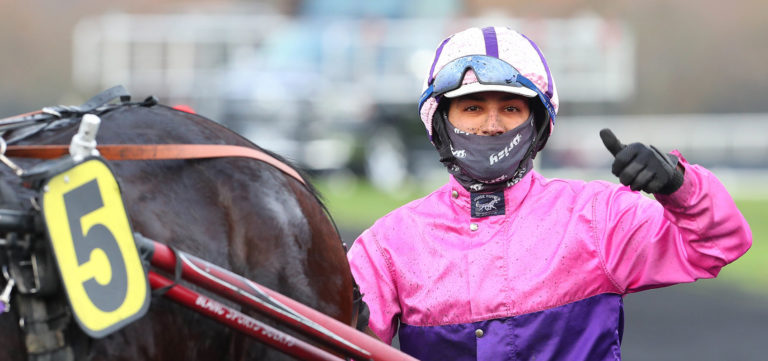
(425, 95)
(544, 99)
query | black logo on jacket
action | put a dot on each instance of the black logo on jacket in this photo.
(487, 204)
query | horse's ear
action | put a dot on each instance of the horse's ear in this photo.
(151, 101)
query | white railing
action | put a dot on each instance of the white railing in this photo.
(272, 58)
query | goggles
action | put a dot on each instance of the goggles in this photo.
(489, 70)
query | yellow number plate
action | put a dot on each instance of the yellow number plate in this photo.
(94, 248)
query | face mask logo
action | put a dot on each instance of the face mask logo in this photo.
(505, 152)
(459, 131)
(458, 153)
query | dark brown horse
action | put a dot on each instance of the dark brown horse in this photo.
(238, 213)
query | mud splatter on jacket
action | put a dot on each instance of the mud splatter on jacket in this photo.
(544, 281)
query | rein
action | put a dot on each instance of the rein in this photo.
(156, 152)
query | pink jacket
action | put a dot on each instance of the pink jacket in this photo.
(430, 265)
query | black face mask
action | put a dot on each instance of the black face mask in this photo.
(490, 159)
(485, 163)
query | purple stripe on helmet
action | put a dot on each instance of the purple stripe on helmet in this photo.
(546, 67)
(437, 56)
(491, 44)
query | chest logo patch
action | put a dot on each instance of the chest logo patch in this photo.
(487, 204)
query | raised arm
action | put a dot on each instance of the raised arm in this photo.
(689, 233)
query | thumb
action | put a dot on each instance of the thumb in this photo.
(611, 142)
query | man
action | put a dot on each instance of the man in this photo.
(504, 264)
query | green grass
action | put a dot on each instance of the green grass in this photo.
(751, 270)
(356, 205)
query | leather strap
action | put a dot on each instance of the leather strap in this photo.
(156, 152)
(106, 96)
(98, 100)
(20, 116)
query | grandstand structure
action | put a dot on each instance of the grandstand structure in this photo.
(313, 88)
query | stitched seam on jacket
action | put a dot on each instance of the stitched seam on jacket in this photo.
(700, 229)
(684, 207)
(500, 315)
(598, 245)
(392, 278)
(388, 262)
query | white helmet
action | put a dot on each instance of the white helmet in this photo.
(493, 59)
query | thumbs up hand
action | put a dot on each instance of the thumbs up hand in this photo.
(642, 167)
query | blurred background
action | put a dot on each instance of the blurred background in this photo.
(333, 86)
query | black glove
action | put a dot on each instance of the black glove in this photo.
(641, 167)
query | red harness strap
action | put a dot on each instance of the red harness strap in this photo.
(157, 152)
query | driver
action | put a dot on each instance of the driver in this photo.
(502, 263)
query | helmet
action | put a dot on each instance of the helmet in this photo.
(490, 59)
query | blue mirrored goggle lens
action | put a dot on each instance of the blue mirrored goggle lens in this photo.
(489, 70)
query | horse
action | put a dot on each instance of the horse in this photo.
(241, 214)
